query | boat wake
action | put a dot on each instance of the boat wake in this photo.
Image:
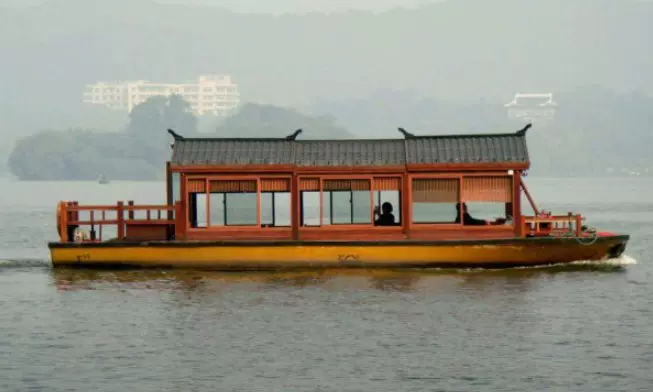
(620, 262)
(24, 263)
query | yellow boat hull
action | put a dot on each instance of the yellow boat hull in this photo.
(232, 255)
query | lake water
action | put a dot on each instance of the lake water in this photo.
(588, 327)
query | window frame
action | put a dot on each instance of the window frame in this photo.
(273, 206)
(207, 178)
(321, 178)
(461, 178)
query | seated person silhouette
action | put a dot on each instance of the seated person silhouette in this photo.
(386, 218)
(468, 220)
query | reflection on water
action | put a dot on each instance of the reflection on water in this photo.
(377, 279)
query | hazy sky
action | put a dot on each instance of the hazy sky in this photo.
(276, 6)
(370, 69)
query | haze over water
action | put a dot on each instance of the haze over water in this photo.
(580, 328)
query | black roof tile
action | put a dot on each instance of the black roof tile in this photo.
(232, 152)
(461, 149)
(467, 149)
(349, 152)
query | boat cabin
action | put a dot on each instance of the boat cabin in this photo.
(408, 188)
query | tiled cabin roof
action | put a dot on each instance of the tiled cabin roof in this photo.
(349, 153)
(504, 148)
(438, 149)
(233, 152)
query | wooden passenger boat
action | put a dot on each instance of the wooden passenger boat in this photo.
(277, 203)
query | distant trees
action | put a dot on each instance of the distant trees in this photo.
(148, 122)
(81, 154)
(256, 120)
(140, 152)
(152, 117)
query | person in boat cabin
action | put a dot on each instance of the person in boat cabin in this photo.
(468, 220)
(386, 218)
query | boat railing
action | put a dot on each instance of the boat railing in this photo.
(73, 218)
(544, 224)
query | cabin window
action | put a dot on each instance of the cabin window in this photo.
(240, 202)
(240, 209)
(392, 197)
(309, 199)
(275, 202)
(387, 190)
(233, 203)
(199, 218)
(197, 203)
(488, 197)
(435, 199)
(346, 202)
(310, 213)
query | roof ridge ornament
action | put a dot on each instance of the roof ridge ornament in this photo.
(294, 135)
(406, 134)
(175, 135)
(522, 131)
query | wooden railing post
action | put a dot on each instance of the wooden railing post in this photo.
(130, 212)
(121, 220)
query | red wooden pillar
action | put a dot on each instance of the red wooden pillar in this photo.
(518, 219)
(169, 190)
(180, 221)
(407, 203)
(295, 210)
(181, 209)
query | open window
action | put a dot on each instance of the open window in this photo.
(350, 201)
(387, 196)
(275, 202)
(197, 203)
(310, 201)
(434, 200)
(488, 197)
(239, 202)
(326, 202)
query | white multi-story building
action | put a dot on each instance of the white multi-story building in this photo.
(532, 107)
(210, 94)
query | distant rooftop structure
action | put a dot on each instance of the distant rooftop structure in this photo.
(209, 94)
(532, 106)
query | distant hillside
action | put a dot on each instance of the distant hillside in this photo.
(256, 120)
(595, 132)
(140, 151)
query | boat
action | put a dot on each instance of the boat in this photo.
(102, 179)
(289, 203)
